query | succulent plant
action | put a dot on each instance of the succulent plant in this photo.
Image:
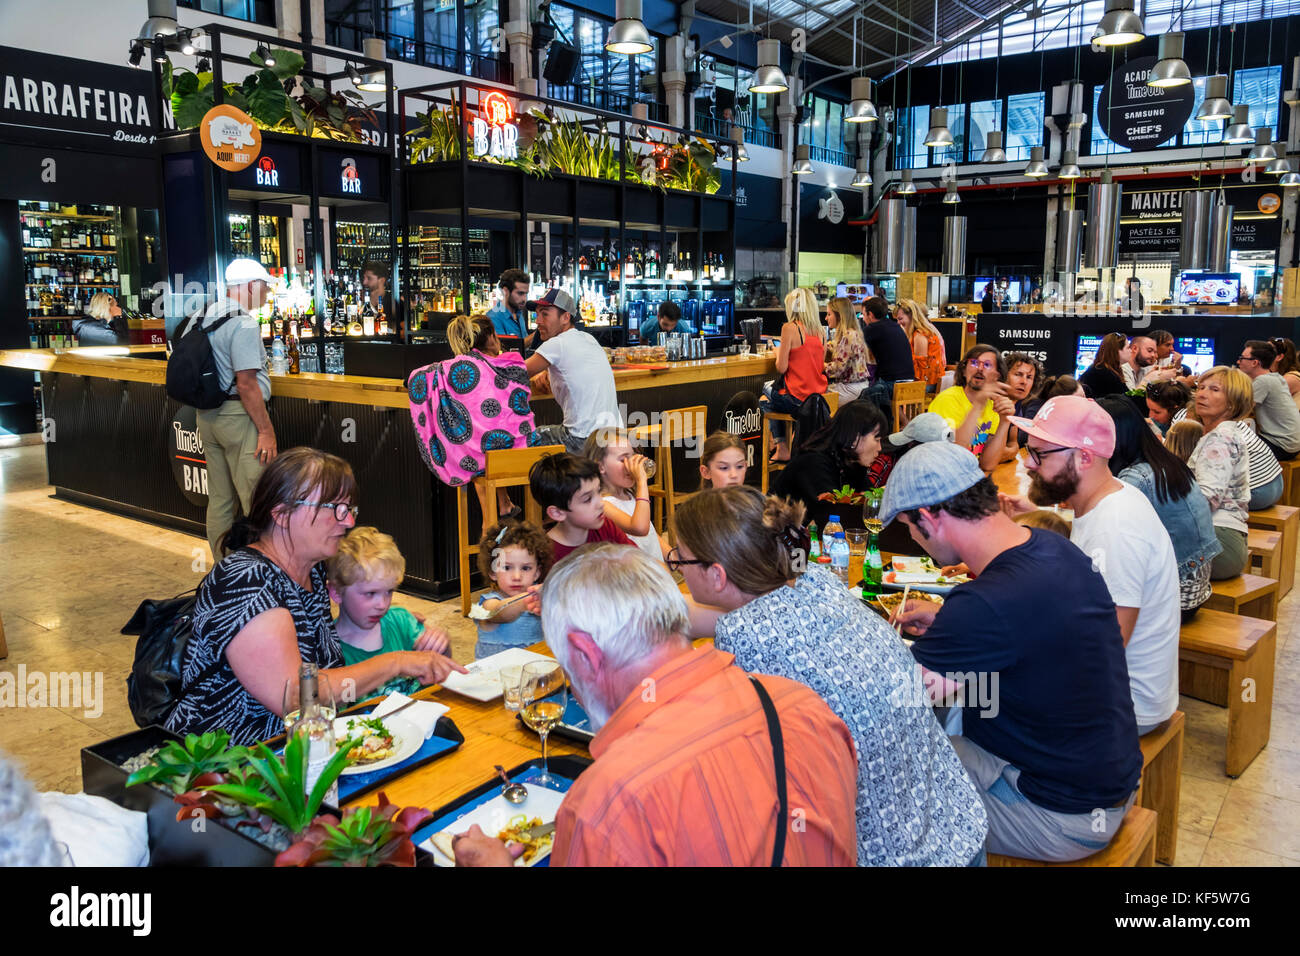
(366, 836)
(177, 766)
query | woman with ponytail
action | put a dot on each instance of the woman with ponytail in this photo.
(746, 554)
(264, 609)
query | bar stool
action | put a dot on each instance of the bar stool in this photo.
(4, 648)
(507, 468)
(909, 401)
(675, 425)
(832, 402)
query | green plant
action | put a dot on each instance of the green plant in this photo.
(438, 138)
(692, 167)
(284, 797)
(177, 766)
(199, 801)
(366, 836)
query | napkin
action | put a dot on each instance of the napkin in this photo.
(423, 713)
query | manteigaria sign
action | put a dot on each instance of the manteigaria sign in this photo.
(1138, 116)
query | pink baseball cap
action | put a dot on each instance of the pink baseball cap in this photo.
(1073, 422)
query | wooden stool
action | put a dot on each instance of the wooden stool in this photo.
(1162, 768)
(507, 468)
(909, 401)
(1290, 483)
(1265, 549)
(1134, 844)
(1227, 659)
(4, 648)
(832, 402)
(674, 426)
(1285, 520)
(1246, 594)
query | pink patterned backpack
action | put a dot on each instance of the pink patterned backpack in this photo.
(466, 406)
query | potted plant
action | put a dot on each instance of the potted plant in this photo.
(366, 836)
(177, 766)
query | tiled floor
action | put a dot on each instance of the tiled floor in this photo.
(71, 576)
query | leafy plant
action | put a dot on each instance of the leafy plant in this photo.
(177, 766)
(366, 836)
(199, 801)
(438, 138)
(843, 496)
(284, 798)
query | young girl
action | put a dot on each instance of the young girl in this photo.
(626, 488)
(513, 556)
(1182, 437)
(723, 461)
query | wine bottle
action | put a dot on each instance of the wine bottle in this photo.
(315, 727)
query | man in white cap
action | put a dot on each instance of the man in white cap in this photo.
(238, 440)
(580, 376)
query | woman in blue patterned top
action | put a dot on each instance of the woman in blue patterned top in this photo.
(741, 551)
(265, 608)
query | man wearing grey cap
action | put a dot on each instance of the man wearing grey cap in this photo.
(238, 439)
(926, 427)
(580, 376)
(1048, 732)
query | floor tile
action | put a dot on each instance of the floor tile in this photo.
(1221, 852)
(1261, 822)
(1191, 845)
(1199, 803)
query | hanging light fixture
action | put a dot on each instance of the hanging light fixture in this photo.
(768, 78)
(906, 187)
(738, 137)
(952, 196)
(1036, 169)
(374, 81)
(1215, 106)
(628, 35)
(993, 151)
(1171, 69)
(1239, 131)
(802, 164)
(1289, 180)
(1262, 151)
(939, 135)
(264, 53)
(1292, 96)
(1279, 166)
(1070, 165)
(860, 109)
(862, 176)
(1119, 25)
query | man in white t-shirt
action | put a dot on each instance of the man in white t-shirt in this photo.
(1071, 440)
(580, 375)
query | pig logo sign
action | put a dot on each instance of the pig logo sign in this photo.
(230, 137)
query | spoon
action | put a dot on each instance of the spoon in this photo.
(513, 792)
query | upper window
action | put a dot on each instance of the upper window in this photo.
(910, 151)
(984, 117)
(1024, 124)
(1262, 89)
(254, 11)
(1101, 144)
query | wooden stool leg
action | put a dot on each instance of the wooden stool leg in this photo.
(767, 449)
(1249, 721)
(4, 648)
(1160, 792)
(463, 545)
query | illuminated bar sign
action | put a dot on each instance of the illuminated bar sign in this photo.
(495, 133)
(350, 175)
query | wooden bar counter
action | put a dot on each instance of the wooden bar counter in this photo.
(115, 441)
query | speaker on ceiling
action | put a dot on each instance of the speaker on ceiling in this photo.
(561, 64)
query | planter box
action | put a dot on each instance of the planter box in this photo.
(172, 842)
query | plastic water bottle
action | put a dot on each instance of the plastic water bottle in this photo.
(839, 549)
(832, 525)
(279, 357)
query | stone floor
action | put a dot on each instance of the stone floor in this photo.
(71, 576)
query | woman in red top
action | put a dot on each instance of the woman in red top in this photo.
(801, 359)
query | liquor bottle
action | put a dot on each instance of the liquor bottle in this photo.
(368, 319)
(314, 726)
(294, 358)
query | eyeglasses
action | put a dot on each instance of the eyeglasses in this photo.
(1036, 455)
(676, 562)
(341, 509)
(987, 366)
(1247, 358)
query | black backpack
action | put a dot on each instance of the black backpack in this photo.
(811, 415)
(154, 685)
(192, 377)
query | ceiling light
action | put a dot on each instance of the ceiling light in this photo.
(628, 35)
(768, 78)
(993, 151)
(1215, 106)
(860, 109)
(939, 135)
(159, 50)
(204, 65)
(802, 165)
(1170, 69)
(952, 196)
(1119, 25)
(1289, 180)
(162, 20)
(1036, 169)
(187, 44)
(374, 81)
(738, 137)
(136, 54)
(1070, 165)
(906, 187)
(1262, 151)
(266, 56)
(1239, 131)
(1279, 166)
(862, 177)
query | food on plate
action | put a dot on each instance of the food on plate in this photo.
(890, 602)
(370, 740)
(517, 831)
(442, 843)
(922, 570)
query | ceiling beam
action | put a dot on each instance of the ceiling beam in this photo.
(940, 49)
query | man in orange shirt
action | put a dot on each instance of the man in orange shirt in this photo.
(684, 771)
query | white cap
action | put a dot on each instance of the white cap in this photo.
(241, 271)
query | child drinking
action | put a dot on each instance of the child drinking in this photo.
(513, 556)
(723, 461)
(1182, 437)
(625, 486)
(568, 489)
(362, 577)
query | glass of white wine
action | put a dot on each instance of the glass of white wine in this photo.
(543, 695)
(871, 512)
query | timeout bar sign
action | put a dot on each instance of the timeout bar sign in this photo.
(495, 133)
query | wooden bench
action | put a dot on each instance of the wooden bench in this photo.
(1285, 520)
(1162, 770)
(1247, 594)
(1265, 555)
(1227, 659)
(1290, 483)
(1133, 845)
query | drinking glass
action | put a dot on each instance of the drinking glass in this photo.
(871, 511)
(857, 554)
(510, 677)
(324, 697)
(543, 694)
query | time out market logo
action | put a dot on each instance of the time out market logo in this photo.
(185, 450)
(351, 178)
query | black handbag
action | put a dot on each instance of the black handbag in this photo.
(154, 685)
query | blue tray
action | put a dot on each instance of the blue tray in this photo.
(575, 725)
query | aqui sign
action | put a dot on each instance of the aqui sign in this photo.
(495, 133)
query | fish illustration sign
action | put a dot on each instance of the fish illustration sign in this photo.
(230, 137)
(831, 209)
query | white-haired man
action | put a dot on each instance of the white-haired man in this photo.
(686, 760)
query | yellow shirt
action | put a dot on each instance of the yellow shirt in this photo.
(953, 406)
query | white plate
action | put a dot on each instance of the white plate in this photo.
(406, 737)
(483, 682)
(496, 813)
(929, 588)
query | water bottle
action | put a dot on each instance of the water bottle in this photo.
(839, 549)
(279, 357)
(832, 525)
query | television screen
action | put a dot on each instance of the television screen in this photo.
(1085, 352)
(1198, 354)
(858, 292)
(1208, 288)
(1012, 289)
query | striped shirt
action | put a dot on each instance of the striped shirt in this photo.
(684, 775)
(1263, 464)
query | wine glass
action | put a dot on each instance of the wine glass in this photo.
(324, 697)
(543, 695)
(871, 511)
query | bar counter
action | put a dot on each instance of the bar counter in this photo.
(116, 441)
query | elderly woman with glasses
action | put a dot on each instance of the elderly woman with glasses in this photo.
(264, 609)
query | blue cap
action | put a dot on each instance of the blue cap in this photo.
(835, 518)
(929, 475)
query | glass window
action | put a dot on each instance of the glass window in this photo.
(819, 130)
(1024, 124)
(1101, 144)
(1262, 89)
(910, 149)
(254, 11)
(985, 115)
(956, 126)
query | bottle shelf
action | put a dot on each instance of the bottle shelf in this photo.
(66, 252)
(67, 217)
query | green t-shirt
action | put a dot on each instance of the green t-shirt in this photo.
(399, 630)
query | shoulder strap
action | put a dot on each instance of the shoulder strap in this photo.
(778, 760)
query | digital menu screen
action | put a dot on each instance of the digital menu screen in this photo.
(1208, 288)
(1198, 354)
(1085, 351)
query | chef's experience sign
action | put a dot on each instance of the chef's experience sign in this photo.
(1138, 116)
